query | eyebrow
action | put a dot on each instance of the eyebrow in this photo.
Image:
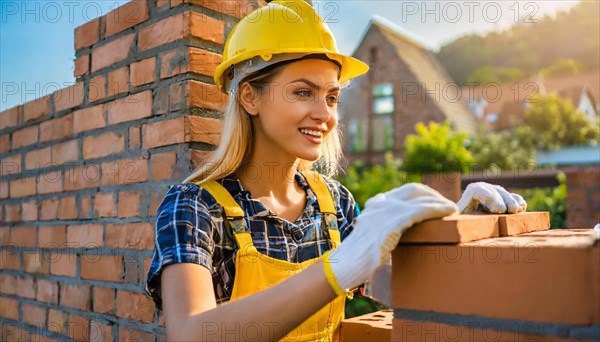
(315, 85)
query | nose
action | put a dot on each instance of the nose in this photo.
(323, 112)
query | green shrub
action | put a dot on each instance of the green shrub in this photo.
(553, 200)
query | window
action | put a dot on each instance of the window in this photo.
(383, 108)
(357, 130)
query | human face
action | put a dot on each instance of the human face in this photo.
(297, 110)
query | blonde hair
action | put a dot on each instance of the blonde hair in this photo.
(237, 136)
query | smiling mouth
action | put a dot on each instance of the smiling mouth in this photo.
(312, 133)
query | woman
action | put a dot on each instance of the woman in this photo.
(254, 227)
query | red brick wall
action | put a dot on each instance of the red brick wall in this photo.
(84, 169)
(583, 196)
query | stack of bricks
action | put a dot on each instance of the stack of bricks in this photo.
(490, 278)
(84, 169)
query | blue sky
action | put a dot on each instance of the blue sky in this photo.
(36, 37)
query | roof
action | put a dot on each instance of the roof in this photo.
(579, 155)
(428, 71)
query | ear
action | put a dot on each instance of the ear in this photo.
(249, 98)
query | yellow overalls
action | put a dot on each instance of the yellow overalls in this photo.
(256, 271)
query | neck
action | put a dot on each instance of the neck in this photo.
(269, 178)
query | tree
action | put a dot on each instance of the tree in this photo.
(488, 74)
(561, 66)
(506, 150)
(555, 123)
(436, 148)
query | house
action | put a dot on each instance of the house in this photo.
(406, 85)
(503, 105)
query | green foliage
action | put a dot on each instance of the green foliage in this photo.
(570, 34)
(561, 66)
(553, 200)
(489, 74)
(436, 148)
(505, 150)
(366, 182)
(555, 123)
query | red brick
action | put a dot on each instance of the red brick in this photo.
(34, 315)
(130, 236)
(175, 3)
(4, 143)
(57, 321)
(470, 278)
(125, 171)
(88, 119)
(65, 152)
(147, 262)
(203, 62)
(10, 117)
(189, 24)
(82, 66)
(173, 62)
(26, 287)
(97, 88)
(104, 300)
(176, 98)
(29, 211)
(47, 291)
(162, 165)
(52, 236)
(103, 267)
(118, 81)
(14, 333)
(63, 264)
(8, 284)
(135, 306)
(448, 184)
(232, 8)
(22, 187)
(4, 236)
(68, 208)
(127, 335)
(50, 182)
(12, 213)
(105, 205)
(49, 209)
(132, 107)
(112, 52)
(453, 229)
(86, 205)
(135, 138)
(85, 235)
(100, 332)
(10, 259)
(102, 145)
(202, 95)
(163, 133)
(9, 308)
(199, 157)
(87, 34)
(155, 200)
(129, 203)
(75, 296)
(79, 328)
(424, 331)
(25, 137)
(143, 72)
(162, 5)
(56, 128)
(11, 165)
(375, 326)
(516, 224)
(23, 236)
(83, 177)
(68, 97)
(3, 190)
(126, 16)
(36, 108)
(35, 262)
(203, 130)
(38, 158)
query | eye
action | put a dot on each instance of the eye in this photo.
(303, 93)
(333, 99)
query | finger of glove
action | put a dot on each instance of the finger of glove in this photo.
(512, 205)
(490, 198)
(411, 191)
(521, 201)
(376, 200)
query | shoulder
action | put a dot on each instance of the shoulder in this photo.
(188, 197)
(340, 194)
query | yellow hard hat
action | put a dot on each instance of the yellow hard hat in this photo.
(289, 27)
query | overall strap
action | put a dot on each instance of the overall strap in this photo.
(319, 187)
(234, 215)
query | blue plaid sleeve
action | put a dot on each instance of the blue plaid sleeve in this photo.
(184, 234)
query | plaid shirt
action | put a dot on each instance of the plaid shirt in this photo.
(189, 228)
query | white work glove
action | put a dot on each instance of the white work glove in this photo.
(491, 198)
(377, 231)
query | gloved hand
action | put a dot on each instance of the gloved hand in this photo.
(377, 231)
(493, 198)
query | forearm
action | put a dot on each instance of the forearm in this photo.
(266, 316)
